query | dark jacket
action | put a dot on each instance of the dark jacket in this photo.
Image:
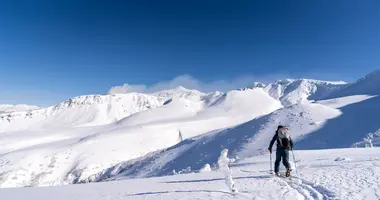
(276, 138)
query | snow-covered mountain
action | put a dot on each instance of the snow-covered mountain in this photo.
(79, 111)
(293, 91)
(5, 108)
(78, 154)
(106, 137)
(179, 92)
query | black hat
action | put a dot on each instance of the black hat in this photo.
(280, 126)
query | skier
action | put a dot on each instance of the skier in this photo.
(284, 144)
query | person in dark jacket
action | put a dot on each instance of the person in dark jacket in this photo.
(284, 144)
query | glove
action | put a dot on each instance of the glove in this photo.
(270, 150)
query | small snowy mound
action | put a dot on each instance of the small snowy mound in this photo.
(339, 159)
(205, 168)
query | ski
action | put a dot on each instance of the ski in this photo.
(283, 175)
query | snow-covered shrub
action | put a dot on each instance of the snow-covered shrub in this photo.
(223, 166)
(184, 171)
(205, 168)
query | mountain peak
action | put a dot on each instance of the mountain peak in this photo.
(181, 88)
(257, 85)
(293, 91)
(375, 74)
(179, 92)
(283, 81)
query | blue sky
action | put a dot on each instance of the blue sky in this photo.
(53, 50)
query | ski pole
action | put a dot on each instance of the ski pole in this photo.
(271, 169)
(295, 165)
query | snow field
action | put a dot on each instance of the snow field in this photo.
(321, 177)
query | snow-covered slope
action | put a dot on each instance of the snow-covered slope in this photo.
(212, 111)
(356, 121)
(79, 154)
(175, 109)
(248, 139)
(368, 85)
(341, 174)
(307, 122)
(5, 108)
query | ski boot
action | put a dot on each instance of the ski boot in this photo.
(288, 170)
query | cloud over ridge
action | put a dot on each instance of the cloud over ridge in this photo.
(190, 82)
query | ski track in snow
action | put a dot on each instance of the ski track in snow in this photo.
(307, 189)
(364, 176)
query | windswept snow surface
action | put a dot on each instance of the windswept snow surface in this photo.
(320, 178)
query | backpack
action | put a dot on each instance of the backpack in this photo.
(284, 137)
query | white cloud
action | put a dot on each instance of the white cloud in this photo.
(192, 83)
(126, 88)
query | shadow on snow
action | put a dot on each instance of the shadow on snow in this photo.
(355, 122)
(219, 179)
(192, 153)
(179, 191)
